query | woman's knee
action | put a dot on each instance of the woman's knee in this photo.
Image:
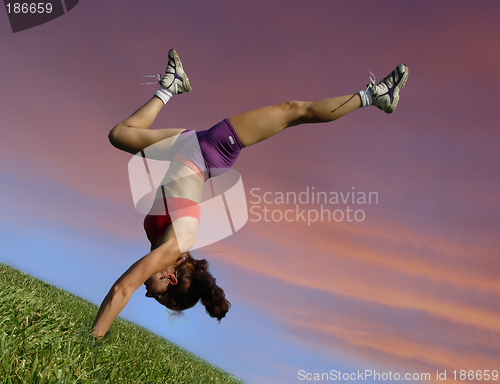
(113, 136)
(295, 105)
(117, 137)
(299, 111)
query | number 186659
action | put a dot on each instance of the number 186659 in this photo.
(476, 375)
(29, 8)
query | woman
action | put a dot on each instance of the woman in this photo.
(169, 273)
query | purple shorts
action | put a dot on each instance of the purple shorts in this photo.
(219, 145)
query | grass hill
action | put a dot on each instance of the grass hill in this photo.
(44, 338)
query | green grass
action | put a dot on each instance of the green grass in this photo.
(45, 338)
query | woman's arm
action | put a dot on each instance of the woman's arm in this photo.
(119, 294)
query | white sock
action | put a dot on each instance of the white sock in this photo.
(366, 98)
(163, 94)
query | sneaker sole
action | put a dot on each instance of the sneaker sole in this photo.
(185, 81)
(405, 77)
(399, 87)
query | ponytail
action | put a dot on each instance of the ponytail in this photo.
(195, 283)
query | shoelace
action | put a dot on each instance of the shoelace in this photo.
(373, 80)
(373, 83)
(158, 77)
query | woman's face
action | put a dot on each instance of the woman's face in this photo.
(159, 282)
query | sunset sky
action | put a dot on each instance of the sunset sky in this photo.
(412, 288)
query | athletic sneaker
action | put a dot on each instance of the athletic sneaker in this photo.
(386, 93)
(175, 80)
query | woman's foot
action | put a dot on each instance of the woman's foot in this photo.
(386, 93)
(175, 80)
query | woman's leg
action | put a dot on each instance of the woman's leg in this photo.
(260, 124)
(132, 134)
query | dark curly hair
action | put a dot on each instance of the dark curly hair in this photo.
(195, 283)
